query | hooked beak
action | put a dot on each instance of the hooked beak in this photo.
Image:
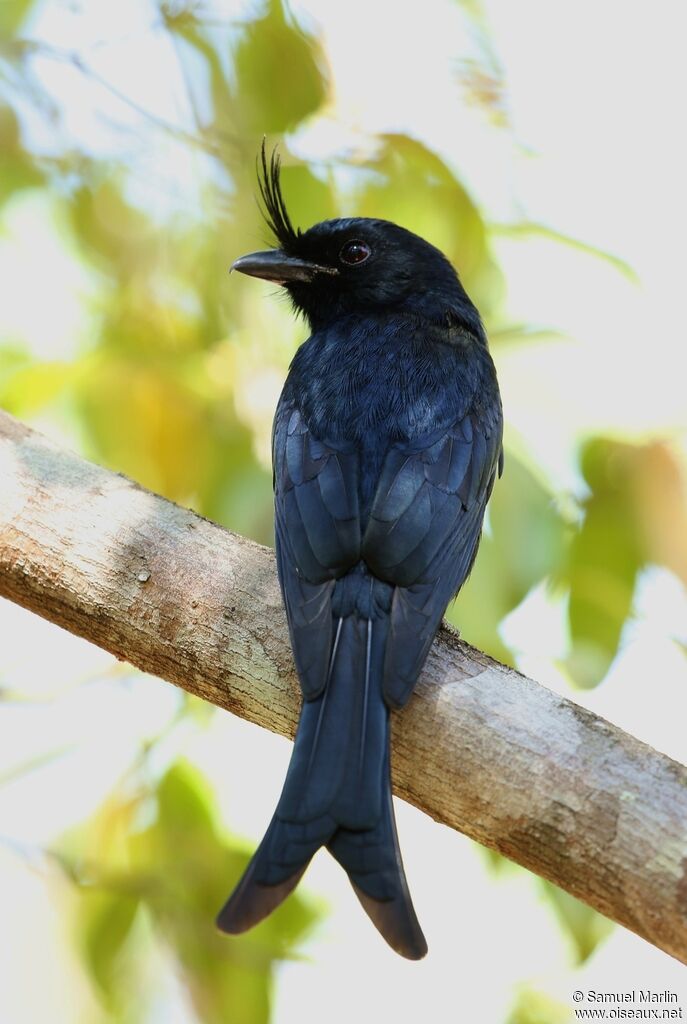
(276, 265)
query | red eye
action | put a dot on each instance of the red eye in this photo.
(355, 252)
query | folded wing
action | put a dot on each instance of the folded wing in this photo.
(424, 530)
(317, 523)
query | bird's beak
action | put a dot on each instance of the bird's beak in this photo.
(276, 265)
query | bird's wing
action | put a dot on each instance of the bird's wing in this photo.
(317, 525)
(424, 530)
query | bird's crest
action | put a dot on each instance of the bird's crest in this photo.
(275, 212)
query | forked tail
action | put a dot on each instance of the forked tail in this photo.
(337, 794)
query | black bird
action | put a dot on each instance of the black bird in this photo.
(386, 444)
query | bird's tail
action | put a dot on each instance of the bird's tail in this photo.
(337, 794)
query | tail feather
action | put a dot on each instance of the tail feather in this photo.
(251, 902)
(372, 860)
(337, 794)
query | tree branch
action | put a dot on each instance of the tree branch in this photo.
(480, 747)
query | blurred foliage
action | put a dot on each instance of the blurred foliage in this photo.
(151, 870)
(173, 379)
(17, 170)
(404, 170)
(12, 14)
(585, 927)
(524, 546)
(634, 515)
(533, 1007)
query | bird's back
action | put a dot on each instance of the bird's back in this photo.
(370, 382)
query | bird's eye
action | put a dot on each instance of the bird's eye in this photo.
(355, 252)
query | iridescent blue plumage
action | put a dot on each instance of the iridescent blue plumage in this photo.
(386, 445)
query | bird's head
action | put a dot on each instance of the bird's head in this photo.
(355, 266)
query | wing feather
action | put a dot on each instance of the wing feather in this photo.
(423, 533)
(317, 530)
(420, 536)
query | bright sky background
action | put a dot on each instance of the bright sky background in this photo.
(595, 97)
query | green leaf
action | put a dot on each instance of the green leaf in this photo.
(161, 852)
(31, 387)
(584, 926)
(414, 187)
(184, 801)
(194, 870)
(525, 544)
(107, 919)
(280, 74)
(527, 527)
(309, 199)
(17, 168)
(12, 14)
(635, 515)
(496, 863)
(605, 557)
(113, 233)
(532, 1007)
